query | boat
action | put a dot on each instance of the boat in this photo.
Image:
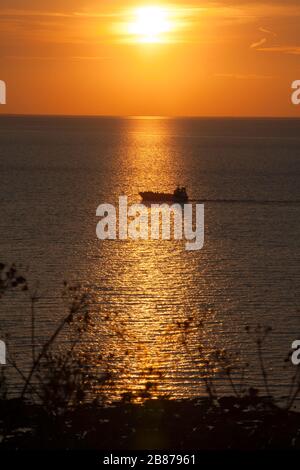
(179, 195)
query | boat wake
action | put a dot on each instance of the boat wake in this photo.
(247, 201)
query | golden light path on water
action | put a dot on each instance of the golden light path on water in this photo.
(151, 292)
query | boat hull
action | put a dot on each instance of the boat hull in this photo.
(162, 197)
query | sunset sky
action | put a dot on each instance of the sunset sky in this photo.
(121, 57)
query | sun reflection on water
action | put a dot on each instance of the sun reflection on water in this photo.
(148, 288)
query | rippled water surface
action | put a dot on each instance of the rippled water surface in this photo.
(54, 174)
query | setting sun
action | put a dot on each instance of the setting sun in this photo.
(150, 24)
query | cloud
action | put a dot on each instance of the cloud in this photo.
(239, 76)
(276, 48)
(35, 14)
(267, 31)
(65, 57)
(258, 43)
(283, 49)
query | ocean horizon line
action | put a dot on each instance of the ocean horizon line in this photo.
(162, 117)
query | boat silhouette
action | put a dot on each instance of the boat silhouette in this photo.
(179, 195)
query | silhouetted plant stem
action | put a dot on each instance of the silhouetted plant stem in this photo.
(263, 370)
(234, 389)
(33, 299)
(24, 378)
(210, 388)
(44, 350)
(293, 394)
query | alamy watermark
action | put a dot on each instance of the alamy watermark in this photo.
(295, 357)
(296, 93)
(2, 353)
(141, 222)
(2, 101)
(2, 92)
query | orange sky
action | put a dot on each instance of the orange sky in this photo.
(219, 58)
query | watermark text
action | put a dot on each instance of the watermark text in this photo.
(295, 357)
(141, 222)
(2, 353)
(296, 92)
(2, 92)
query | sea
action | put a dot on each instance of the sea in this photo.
(165, 320)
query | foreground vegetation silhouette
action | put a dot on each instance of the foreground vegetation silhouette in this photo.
(54, 409)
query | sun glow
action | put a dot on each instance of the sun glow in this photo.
(150, 24)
